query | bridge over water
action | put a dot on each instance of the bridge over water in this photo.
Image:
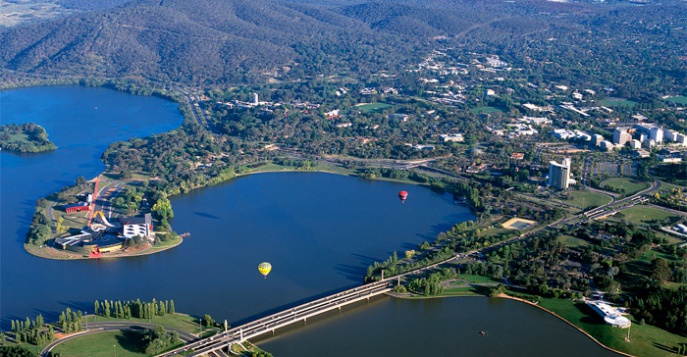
(284, 318)
(212, 346)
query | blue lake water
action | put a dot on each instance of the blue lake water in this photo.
(319, 231)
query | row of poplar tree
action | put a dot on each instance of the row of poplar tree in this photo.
(136, 309)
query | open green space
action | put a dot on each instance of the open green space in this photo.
(374, 107)
(588, 199)
(123, 343)
(643, 214)
(624, 185)
(678, 99)
(617, 102)
(486, 110)
(645, 340)
(572, 241)
(666, 186)
(475, 279)
(120, 343)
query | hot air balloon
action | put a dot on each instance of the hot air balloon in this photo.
(265, 268)
(403, 195)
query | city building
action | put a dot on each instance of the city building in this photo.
(456, 138)
(559, 174)
(611, 315)
(137, 226)
(77, 207)
(621, 135)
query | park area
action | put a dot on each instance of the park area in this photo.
(486, 110)
(617, 102)
(373, 107)
(587, 199)
(643, 214)
(645, 340)
(623, 185)
(677, 99)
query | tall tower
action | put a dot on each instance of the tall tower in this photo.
(255, 99)
(559, 174)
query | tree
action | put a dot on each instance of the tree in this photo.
(163, 208)
(209, 322)
(660, 270)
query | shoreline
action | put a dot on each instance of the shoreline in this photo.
(35, 251)
(148, 251)
(506, 296)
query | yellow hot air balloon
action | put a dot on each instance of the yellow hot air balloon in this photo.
(265, 268)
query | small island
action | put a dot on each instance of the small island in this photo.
(25, 138)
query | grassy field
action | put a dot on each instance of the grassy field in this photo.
(677, 99)
(587, 199)
(645, 340)
(486, 110)
(476, 279)
(616, 102)
(572, 241)
(121, 343)
(374, 107)
(643, 214)
(631, 186)
(666, 186)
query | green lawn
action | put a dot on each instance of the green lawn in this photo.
(462, 291)
(122, 343)
(646, 340)
(587, 199)
(666, 186)
(616, 102)
(572, 241)
(630, 186)
(486, 110)
(638, 214)
(677, 99)
(374, 107)
(476, 279)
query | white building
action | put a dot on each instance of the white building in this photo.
(611, 315)
(559, 174)
(598, 139)
(137, 226)
(607, 145)
(563, 134)
(656, 134)
(456, 138)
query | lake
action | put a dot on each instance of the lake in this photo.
(319, 232)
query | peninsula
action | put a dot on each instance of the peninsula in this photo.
(24, 138)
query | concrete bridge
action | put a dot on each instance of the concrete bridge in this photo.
(213, 345)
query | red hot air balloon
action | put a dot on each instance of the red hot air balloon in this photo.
(403, 195)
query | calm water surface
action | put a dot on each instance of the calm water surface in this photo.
(319, 231)
(436, 327)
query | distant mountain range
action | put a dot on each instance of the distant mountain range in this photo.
(225, 41)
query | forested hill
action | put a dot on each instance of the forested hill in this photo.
(227, 41)
(211, 41)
